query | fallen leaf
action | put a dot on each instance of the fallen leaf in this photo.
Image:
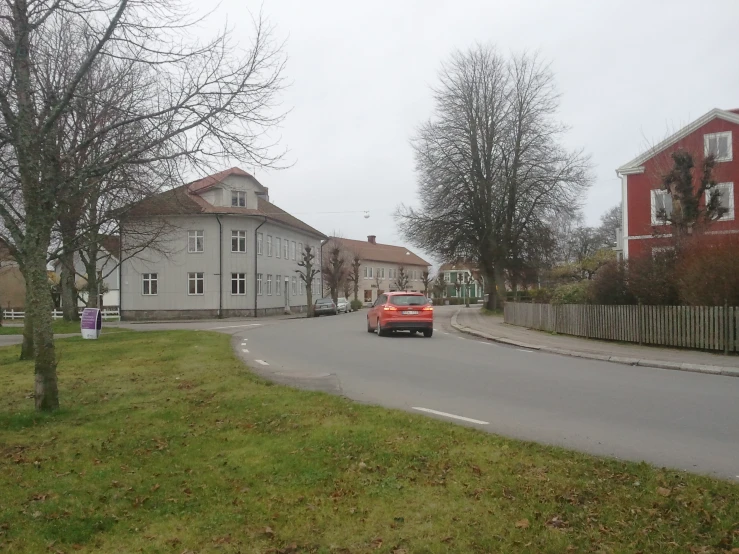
(663, 491)
(476, 470)
(377, 543)
(155, 487)
(522, 524)
(269, 532)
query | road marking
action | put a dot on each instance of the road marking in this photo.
(244, 350)
(261, 362)
(452, 416)
(523, 350)
(235, 326)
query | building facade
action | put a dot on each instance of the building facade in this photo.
(380, 266)
(644, 231)
(229, 253)
(12, 282)
(461, 280)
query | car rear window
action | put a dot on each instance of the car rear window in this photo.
(324, 301)
(409, 300)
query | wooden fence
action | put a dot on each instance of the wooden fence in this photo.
(705, 328)
(57, 314)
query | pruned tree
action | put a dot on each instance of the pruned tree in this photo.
(334, 270)
(426, 280)
(194, 104)
(687, 186)
(439, 286)
(490, 163)
(401, 280)
(307, 274)
(355, 274)
(378, 281)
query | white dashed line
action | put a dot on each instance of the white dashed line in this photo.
(262, 362)
(244, 350)
(235, 326)
(523, 350)
(462, 418)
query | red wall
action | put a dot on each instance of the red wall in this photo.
(638, 186)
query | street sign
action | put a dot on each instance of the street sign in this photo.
(91, 323)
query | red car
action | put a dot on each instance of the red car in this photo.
(401, 311)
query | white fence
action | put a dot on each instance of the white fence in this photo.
(57, 314)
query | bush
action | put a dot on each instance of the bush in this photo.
(651, 280)
(574, 293)
(707, 271)
(541, 296)
(610, 285)
(356, 305)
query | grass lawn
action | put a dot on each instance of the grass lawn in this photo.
(166, 443)
(60, 326)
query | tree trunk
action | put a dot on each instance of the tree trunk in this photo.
(67, 285)
(93, 281)
(309, 296)
(38, 311)
(27, 346)
(499, 285)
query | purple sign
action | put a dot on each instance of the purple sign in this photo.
(91, 323)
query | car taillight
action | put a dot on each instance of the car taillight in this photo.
(428, 308)
(389, 308)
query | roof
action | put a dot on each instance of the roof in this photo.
(381, 252)
(184, 200)
(635, 165)
(452, 266)
(201, 185)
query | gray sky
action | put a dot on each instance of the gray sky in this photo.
(629, 72)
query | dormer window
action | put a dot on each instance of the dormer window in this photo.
(238, 198)
(719, 146)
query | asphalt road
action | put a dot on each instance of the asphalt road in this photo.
(669, 418)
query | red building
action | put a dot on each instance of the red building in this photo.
(641, 180)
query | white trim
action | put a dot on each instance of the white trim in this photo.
(238, 241)
(150, 280)
(729, 216)
(625, 215)
(193, 233)
(195, 279)
(681, 134)
(708, 136)
(669, 235)
(238, 279)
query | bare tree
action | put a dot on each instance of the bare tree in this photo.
(195, 105)
(354, 275)
(490, 165)
(426, 279)
(401, 280)
(308, 274)
(378, 281)
(334, 269)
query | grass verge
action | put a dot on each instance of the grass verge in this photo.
(166, 443)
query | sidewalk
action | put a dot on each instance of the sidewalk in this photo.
(472, 321)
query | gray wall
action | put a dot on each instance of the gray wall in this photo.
(172, 269)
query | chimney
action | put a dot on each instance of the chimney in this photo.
(372, 239)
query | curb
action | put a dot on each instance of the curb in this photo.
(643, 362)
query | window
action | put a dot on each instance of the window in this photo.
(286, 249)
(447, 277)
(295, 285)
(300, 250)
(195, 283)
(381, 272)
(301, 287)
(368, 272)
(269, 246)
(392, 273)
(259, 243)
(719, 145)
(269, 284)
(149, 284)
(661, 207)
(195, 241)
(725, 192)
(292, 249)
(278, 247)
(238, 283)
(238, 198)
(238, 241)
(259, 283)
(278, 285)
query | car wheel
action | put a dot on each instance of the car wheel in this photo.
(369, 328)
(428, 333)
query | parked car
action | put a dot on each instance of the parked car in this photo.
(401, 311)
(325, 306)
(342, 305)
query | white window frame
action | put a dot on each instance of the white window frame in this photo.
(238, 236)
(239, 196)
(278, 247)
(286, 249)
(238, 278)
(192, 241)
(292, 249)
(728, 216)
(368, 272)
(260, 240)
(295, 285)
(707, 138)
(300, 250)
(301, 287)
(653, 197)
(269, 284)
(151, 278)
(278, 285)
(195, 277)
(269, 246)
(259, 284)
